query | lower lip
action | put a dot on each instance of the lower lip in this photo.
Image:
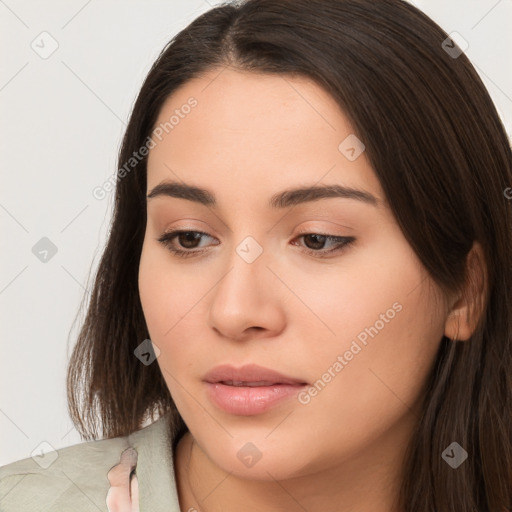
(247, 401)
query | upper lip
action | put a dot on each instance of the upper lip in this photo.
(249, 373)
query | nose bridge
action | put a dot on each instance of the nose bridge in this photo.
(246, 272)
(244, 297)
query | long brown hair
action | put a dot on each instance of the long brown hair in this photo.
(441, 154)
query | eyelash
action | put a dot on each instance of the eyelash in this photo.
(167, 238)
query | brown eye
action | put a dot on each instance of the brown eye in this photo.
(187, 242)
(188, 239)
(317, 241)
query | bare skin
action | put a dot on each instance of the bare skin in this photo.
(249, 137)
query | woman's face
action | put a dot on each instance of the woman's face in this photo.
(352, 322)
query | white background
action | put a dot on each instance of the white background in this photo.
(62, 119)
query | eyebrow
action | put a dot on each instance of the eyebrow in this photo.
(284, 199)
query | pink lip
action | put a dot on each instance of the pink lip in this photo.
(249, 373)
(227, 388)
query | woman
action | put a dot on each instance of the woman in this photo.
(307, 280)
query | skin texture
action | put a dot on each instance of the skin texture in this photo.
(250, 136)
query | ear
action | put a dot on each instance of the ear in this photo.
(465, 311)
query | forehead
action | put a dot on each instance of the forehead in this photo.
(255, 132)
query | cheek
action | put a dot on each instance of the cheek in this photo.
(173, 302)
(372, 372)
(383, 334)
(379, 388)
(368, 296)
(166, 294)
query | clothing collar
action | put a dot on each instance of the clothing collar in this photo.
(155, 467)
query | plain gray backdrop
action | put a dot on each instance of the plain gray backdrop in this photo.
(69, 74)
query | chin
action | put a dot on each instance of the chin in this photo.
(253, 457)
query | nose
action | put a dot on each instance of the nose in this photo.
(248, 300)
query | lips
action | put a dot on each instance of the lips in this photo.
(249, 384)
(250, 376)
(249, 390)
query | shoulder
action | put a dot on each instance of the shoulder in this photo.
(71, 478)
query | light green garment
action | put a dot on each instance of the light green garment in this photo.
(77, 480)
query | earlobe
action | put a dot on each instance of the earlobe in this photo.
(457, 326)
(466, 311)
